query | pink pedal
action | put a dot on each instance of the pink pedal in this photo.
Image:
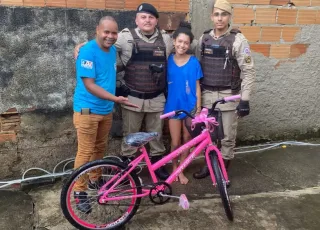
(183, 202)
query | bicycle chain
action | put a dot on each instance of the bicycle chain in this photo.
(142, 186)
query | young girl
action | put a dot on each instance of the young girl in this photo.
(184, 72)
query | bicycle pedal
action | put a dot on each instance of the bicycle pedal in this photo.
(183, 202)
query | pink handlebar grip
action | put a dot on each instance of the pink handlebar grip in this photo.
(231, 98)
(163, 116)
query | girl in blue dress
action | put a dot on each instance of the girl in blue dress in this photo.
(184, 73)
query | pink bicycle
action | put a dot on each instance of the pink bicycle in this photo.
(115, 201)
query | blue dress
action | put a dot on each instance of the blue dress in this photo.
(182, 87)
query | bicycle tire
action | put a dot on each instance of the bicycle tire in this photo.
(65, 194)
(222, 185)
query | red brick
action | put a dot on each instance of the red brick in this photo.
(56, 3)
(243, 15)
(252, 33)
(261, 48)
(76, 3)
(266, 15)
(315, 2)
(167, 5)
(279, 2)
(287, 16)
(11, 111)
(12, 2)
(298, 49)
(8, 137)
(181, 5)
(318, 17)
(34, 3)
(10, 127)
(307, 16)
(239, 1)
(259, 2)
(271, 34)
(301, 2)
(289, 33)
(96, 4)
(114, 4)
(279, 51)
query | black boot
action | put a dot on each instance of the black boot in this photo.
(203, 173)
(161, 172)
(226, 163)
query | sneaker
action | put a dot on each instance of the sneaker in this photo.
(96, 185)
(82, 202)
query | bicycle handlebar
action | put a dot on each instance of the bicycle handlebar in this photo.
(223, 100)
(231, 98)
(170, 114)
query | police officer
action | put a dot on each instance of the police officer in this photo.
(143, 53)
(228, 69)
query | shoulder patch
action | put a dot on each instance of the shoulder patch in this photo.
(247, 51)
(247, 59)
(126, 30)
(86, 64)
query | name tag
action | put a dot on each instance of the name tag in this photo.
(208, 51)
(158, 53)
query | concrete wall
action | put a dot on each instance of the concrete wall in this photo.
(285, 44)
(37, 77)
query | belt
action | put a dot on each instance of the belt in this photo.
(215, 88)
(145, 96)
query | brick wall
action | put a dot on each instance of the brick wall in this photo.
(163, 5)
(9, 126)
(271, 25)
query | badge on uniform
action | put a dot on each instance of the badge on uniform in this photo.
(208, 51)
(247, 51)
(158, 53)
(247, 59)
(86, 64)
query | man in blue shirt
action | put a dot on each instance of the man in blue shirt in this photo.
(93, 103)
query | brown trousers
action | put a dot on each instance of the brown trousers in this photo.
(92, 132)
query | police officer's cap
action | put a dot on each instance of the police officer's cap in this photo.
(147, 8)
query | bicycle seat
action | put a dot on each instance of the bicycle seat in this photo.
(139, 139)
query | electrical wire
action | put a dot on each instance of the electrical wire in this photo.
(65, 171)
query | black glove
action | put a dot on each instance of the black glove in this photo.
(243, 108)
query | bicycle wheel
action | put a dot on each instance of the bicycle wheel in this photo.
(110, 215)
(222, 185)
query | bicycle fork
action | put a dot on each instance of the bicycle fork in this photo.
(213, 150)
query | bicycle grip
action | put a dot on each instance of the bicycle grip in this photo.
(170, 114)
(231, 98)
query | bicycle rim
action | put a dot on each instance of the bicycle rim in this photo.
(111, 215)
(222, 186)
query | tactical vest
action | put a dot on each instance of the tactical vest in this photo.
(220, 68)
(138, 76)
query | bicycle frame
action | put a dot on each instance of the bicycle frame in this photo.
(204, 143)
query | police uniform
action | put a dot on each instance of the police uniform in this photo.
(151, 104)
(240, 52)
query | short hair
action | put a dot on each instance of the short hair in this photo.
(107, 18)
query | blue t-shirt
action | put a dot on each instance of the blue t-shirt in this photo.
(182, 87)
(93, 62)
